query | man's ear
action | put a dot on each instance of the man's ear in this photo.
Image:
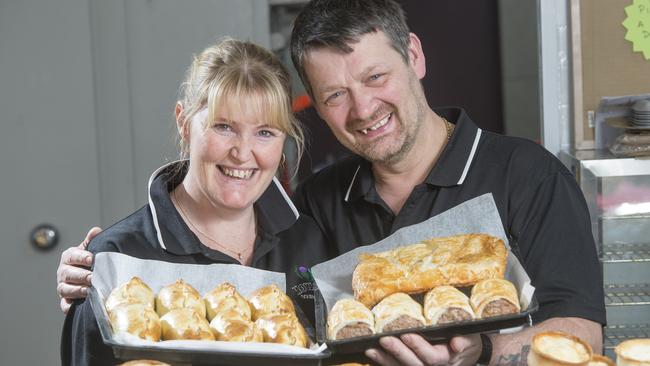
(181, 122)
(416, 56)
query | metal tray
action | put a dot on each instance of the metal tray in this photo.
(212, 357)
(434, 334)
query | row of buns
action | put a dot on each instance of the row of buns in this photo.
(442, 305)
(179, 311)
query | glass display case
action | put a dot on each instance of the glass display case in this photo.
(617, 191)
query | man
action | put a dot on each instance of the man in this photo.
(362, 67)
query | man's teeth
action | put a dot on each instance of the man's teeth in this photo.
(237, 173)
(377, 125)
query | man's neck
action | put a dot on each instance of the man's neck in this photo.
(395, 183)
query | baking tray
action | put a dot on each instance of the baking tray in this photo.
(211, 357)
(434, 333)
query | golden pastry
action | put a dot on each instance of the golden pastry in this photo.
(447, 304)
(494, 297)
(179, 295)
(225, 297)
(557, 348)
(397, 311)
(137, 319)
(598, 360)
(633, 352)
(133, 291)
(144, 363)
(349, 318)
(232, 326)
(282, 328)
(270, 300)
(460, 260)
(185, 323)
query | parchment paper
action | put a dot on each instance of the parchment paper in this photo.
(113, 269)
(478, 215)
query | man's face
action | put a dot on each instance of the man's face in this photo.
(371, 98)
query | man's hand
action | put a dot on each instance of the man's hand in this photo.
(412, 349)
(73, 277)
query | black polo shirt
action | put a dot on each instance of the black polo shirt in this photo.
(286, 242)
(542, 210)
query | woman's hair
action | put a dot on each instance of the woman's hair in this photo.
(232, 72)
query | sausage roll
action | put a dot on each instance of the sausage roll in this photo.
(185, 323)
(460, 260)
(494, 297)
(397, 311)
(349, 318)
(133, 291)
(282, 328)
(137, 319)
(225, 297)
(270, 300)
(447, 304)
(231, 326)
(179, 295)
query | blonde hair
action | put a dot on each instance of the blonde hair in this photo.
(231, 72)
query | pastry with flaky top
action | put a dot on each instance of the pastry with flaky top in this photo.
(397, 311)
(137, 319)
(185, 323)
(349, 318)
(460, 260)
(231, 326)
(270, 300)
(282, 328)
(447, 304)
(179, 295)
(494, 297)
(133, 291)
(225, 298)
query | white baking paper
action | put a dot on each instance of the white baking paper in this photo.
(113, 269)
(478, 215)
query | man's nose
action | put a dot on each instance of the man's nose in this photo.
(363, 107)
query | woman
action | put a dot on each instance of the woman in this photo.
(221, 203)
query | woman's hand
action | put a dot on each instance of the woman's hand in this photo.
(412, 349)
(73, 277)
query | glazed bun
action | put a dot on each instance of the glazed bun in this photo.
(137, 319)
(133, 291)
(633, 352)
(185, 323)
(557, 348)
(282, 328)
(224, 298)
(231, 326)
(179, 295)
(270, 300)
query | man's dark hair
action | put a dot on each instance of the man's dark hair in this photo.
(339, 23)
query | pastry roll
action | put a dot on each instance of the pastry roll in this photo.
(179, 295)
(185, 323)
(447, 304)
(137, 319)
(232, 326)
(494, 297)
(270, 300)
(460, 260)
(133, 291)
(349, 318)
(557, 348)
(282, 328)
(397, 311)
(225, 297)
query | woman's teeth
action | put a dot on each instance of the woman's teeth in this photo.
(237, 173)
(377, 125)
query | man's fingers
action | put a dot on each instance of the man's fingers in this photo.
(380, 357)
(74, 275)
(429, 354)
(93, 232)
(65, 305)
(71, 292)
(76, 256)
(399, 351)
(460, 344)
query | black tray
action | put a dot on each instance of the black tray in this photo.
(212, 357)
(434, 333)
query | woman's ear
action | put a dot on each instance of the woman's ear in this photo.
(181, 122)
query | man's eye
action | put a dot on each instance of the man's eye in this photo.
(375, 77)
(334, 98)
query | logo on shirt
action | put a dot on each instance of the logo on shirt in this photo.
(305, 289)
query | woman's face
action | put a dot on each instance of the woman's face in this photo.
(234, 159)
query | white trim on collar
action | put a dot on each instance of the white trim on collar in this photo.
(286, 197)
(347, 194)
(470, 157)
(154, 214)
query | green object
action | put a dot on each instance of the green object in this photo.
(637, 24)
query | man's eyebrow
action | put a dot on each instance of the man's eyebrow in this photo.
(364, 73)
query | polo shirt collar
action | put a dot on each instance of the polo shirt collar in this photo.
(275, 211)
(452, 166)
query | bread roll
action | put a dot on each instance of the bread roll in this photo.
(270, 300)
(232, 326)
(133, 291)
(558, 349)
(446, 304)
(494, 297)
(137, 319)
(598, 360)
(185, 323)
(282, 328)
(349, 318)
(179, 295)
(397, 311)
(144, 363)
(633, 352)
(223, 298)
(460, 260)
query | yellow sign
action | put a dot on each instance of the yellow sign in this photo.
(637, 24)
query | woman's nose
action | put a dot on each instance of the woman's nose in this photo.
(242, 149)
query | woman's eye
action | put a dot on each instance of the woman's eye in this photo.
(222, 127)
(266, 133)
